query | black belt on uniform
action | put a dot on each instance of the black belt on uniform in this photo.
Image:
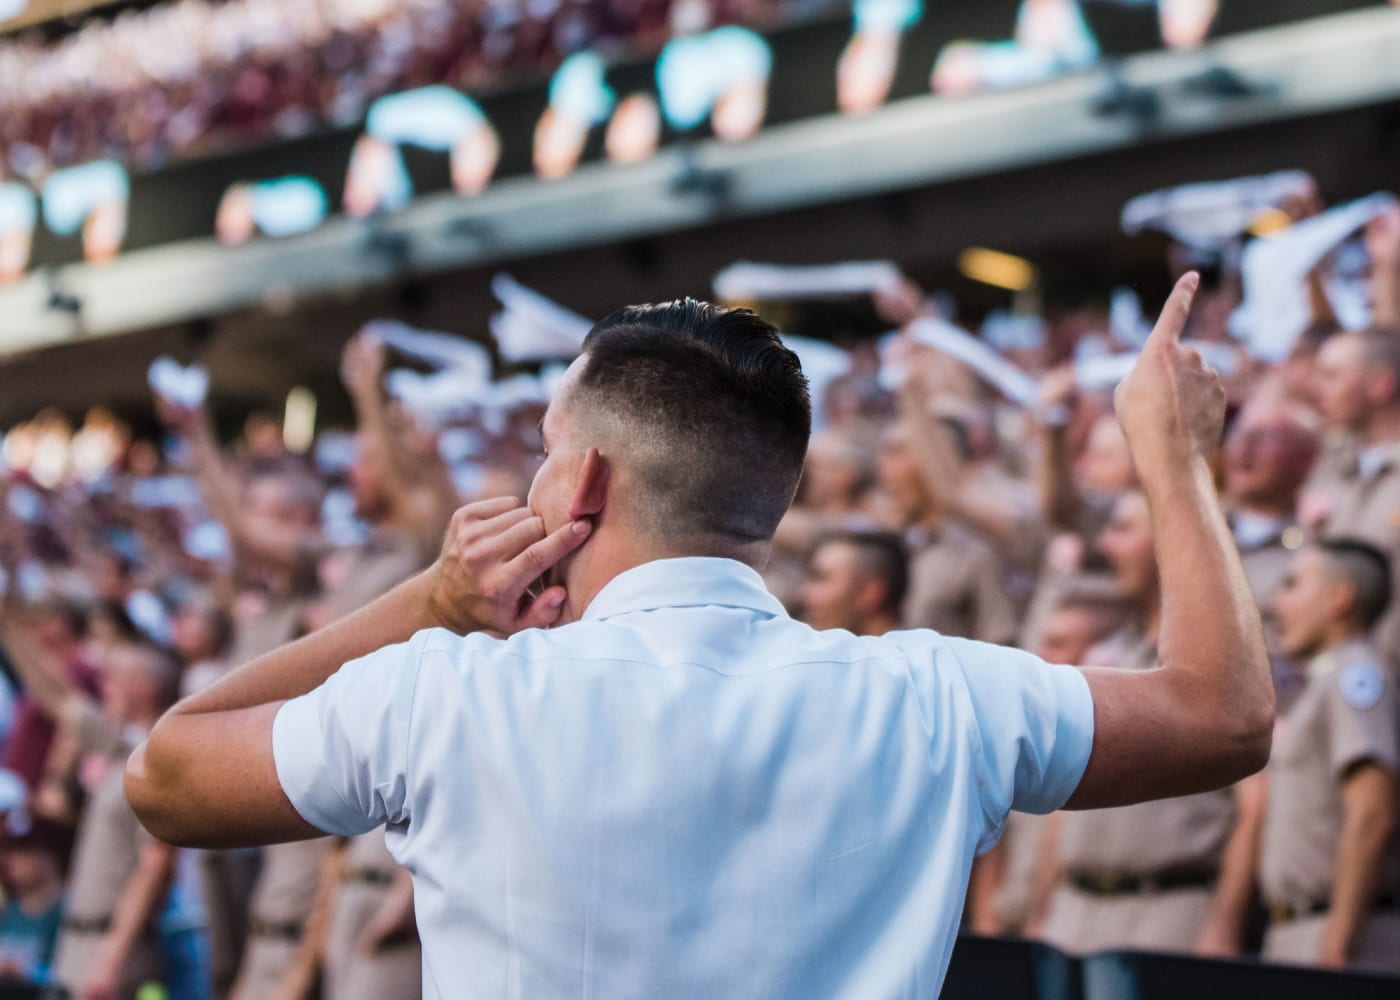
(87, 925)
(369, 876)
(1103, 884)
(268, 929)
(1286, 913)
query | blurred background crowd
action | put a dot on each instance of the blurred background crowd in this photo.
(261, 476)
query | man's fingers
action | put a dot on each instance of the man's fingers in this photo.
(1177, 310)
(532, 564)
(516, 538)
(494, 526)
(483, 509)
(544, 610)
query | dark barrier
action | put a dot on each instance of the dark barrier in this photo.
(985, 968)
(1133, 976)
(23, 991)
(989, 968)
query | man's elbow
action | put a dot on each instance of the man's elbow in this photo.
(149, 793)
(1251, 733)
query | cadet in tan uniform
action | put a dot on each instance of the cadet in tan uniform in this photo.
(1358, 391)
(359, 927)
(955, 582)
(372, 950)
(1269, 453)
(1008, 891)
(108, 945)
(1328, 861)
(1168, 875)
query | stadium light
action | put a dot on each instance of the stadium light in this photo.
(1002, 270)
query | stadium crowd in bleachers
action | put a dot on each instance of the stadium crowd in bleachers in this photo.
(136, 570)
(197, 76)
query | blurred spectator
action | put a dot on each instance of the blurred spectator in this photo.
(856, 581)
(33, 860)
(1327, 863)
(1011, 884)
(108, 946)
(1172, 875)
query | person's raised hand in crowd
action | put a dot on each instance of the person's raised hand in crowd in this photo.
(1058, 391)
(362, 364)
(900, 303)
(1171, 405)
(1383, 246)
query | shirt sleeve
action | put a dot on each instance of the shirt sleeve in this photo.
(1034, 729)
(342, 750)
(1363, 718)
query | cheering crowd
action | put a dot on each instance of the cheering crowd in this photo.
(136, 571)
(193, 77)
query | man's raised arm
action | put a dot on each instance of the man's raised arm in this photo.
(1205, 718)
(207, 778)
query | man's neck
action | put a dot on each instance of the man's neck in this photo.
(1280, 508)
(609, 553)
(1339, 634)
(878, 624)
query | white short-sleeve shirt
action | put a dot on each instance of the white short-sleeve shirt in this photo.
(686, 794)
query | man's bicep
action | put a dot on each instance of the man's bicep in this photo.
(218, 786)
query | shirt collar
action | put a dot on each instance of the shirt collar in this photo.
(689, 582)
(1253, 531)
(1372, 460)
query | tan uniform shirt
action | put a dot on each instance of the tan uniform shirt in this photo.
(374, 569)
(394, 972)
(1168, 836)
(105, 855)
(1266, 562)
(277, 626)
(1365, 504)
(955, 587)
(1348, 713)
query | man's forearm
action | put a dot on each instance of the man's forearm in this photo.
(1235, 887)
(1211, 640)
(304, 665)
(139, 900)
(1366, 831)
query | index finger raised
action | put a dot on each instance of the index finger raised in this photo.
(1176, 311)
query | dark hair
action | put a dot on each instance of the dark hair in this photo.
(714, 410)
(1367, 569)
(881, 554)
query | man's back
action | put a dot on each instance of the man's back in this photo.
(687, 793)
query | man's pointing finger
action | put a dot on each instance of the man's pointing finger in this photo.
(1177, 311)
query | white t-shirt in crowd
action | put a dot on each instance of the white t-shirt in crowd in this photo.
(685, 794)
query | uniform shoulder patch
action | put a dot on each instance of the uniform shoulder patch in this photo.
(1361, 684)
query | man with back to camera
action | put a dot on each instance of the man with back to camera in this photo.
(640, 801)
(1328, 861)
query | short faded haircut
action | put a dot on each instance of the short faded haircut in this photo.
(711, 413)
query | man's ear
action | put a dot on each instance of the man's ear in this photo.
(1341, 600)
(591, 487)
